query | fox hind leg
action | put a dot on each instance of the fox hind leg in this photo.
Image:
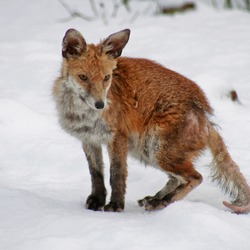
(171, 185)
(182, 181)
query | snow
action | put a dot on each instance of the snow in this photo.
(44, 179)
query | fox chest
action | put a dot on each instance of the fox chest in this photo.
(83, 122)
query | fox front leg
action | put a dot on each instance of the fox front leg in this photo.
(97, 198)
(118, 173)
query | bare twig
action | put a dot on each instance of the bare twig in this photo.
(126, 4)
(247, 4)
(73, 13)
(134, 17)
(214, 3)
(93, 7)
(103, 13)
(116, 6)
(228, 4)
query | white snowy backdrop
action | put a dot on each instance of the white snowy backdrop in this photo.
(44, 179)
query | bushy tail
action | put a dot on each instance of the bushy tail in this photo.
(227, 174)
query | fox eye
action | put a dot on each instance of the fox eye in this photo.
(106, 78)
(83, 78)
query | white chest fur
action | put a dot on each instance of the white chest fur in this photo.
(78, 119)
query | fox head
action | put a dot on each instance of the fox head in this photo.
(88, 68)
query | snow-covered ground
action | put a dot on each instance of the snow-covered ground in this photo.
(44, 179)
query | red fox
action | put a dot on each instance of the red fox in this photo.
(139, 107)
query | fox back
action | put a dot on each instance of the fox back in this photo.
(137, 106)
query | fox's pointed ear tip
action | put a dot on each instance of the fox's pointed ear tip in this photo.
(71, 30)
(128, 31)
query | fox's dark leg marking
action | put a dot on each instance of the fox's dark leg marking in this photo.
(97, 198)
(118, 173)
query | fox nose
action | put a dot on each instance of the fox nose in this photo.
(99, 105)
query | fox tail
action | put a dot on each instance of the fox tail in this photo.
(227, 174)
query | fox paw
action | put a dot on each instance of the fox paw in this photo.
(151, 204)
(95, 203)
(114, 207)
(144, 201)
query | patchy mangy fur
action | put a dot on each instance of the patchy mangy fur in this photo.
(137, 106)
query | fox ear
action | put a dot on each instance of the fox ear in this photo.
(73, 44)
(115, 43)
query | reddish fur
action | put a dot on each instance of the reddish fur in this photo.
(151, 110)
(137, 85)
